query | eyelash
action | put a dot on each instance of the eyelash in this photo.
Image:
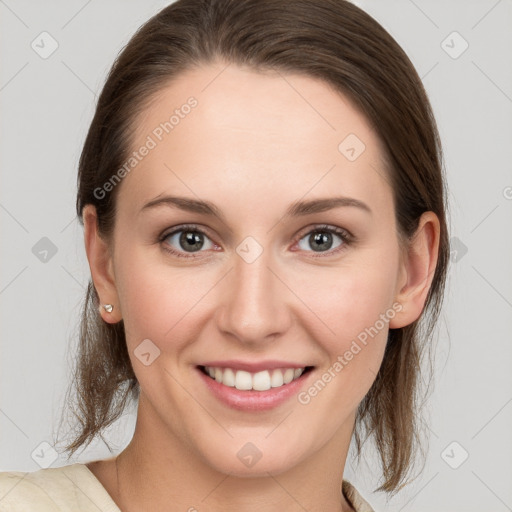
(346, 237)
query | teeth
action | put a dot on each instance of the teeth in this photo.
(260, 381)
(228, 377)
(277, 379)
(288, 375)
(243, 380)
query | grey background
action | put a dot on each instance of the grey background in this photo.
(46, 106)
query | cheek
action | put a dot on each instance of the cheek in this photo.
(353, 297)
(158, 301)
(357, 311)
(355, 308)
(356, 303)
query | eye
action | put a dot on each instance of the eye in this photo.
(322, 239)
(191, 239)
(187, 239)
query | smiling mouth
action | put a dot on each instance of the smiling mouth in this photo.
(258, 381)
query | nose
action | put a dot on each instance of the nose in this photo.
(254, 307)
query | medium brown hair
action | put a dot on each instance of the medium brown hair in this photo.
(332, 40)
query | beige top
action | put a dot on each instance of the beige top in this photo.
(74, 488)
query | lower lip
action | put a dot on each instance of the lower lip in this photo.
(254, 400)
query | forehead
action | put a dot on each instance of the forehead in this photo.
(220, 128)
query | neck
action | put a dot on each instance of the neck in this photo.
(176, 478)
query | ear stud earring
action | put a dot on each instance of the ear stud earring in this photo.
(107, 307)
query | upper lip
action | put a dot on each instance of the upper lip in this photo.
(253, 367)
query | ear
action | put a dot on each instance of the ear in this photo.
(101, 265)
(419, 260)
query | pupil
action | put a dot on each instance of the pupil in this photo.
(194, 239)
(323, 239)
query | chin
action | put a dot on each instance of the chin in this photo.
(246, 460)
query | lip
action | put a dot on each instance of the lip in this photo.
(254, 400)
(253, 367)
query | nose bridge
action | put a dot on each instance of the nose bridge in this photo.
(253, 306)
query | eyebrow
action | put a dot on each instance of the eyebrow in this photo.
(297, 209)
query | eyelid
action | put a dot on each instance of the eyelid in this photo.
(183, 227)
(344, 233)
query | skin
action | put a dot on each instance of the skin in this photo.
(255, 143)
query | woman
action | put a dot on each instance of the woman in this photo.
(263, 205)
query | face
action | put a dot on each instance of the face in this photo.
(278, 278)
